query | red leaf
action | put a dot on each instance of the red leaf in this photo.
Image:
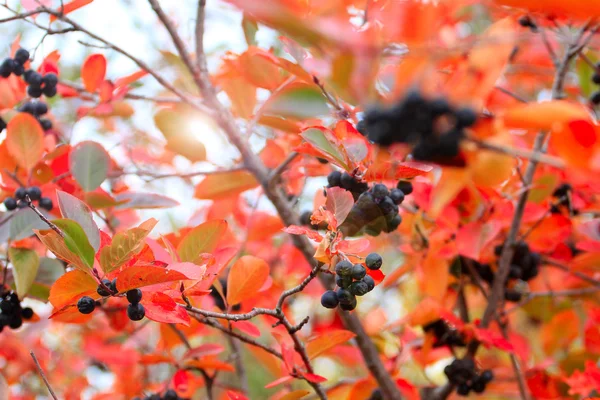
(207, 349)
(288, 358)
(303, 230)
(235, 395)
(490, 338)
(93, 72)
(181, 380)
(314, 378)
(279, 381)
(339, 202)
(129, 79)
(475, 236)
(140, 276)
(247, 327)
(25, 140)
(70, 7)
(245, 278)
(162, 308)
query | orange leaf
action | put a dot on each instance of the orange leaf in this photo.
(70, 7)
(210, 363)
(93, 72)
(548, 115)
(228, 184)
(25, 140)
(326, 341)
(162, 308)
(560, 332)
(295, 395)
(70, 287)
(583, 9)
(577, 142)
(434, 266)
(245, 279)
(474, 237)
(140, 276)
(148, 359)
(129, 79)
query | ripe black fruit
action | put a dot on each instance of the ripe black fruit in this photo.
(46, 124)
(113, 286)
(10, 203)
(374, 261)
(487, 376)
(18, 69)
(595, 99)
(380, 191)
(329, 299)
(46, 203)
(512, 295)
(86, 305)
(387, 206)
(359, 288)
(358, 271)
(50, 79)
(27, 313)
(463, 389)
(405, 186)
(344, 268)
(344, 296)
(397, 196)
(136, 312)
(170, 395)
(347, 181)
(15, 321)
(40, 108)
(596, 78)
(20, 193)
(6, 68)
(21, 56)
(49, 91)
(349, 306)
(34, 91)
(134, 296)
(101, 290)
(343, 281)
(33, 78)
(34, 193)
(334, 179)
(369, 281)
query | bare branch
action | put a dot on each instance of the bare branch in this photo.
(43, 375)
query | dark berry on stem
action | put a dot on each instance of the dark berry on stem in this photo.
(21, 56)
(33, 78)
(101, 290)
(41, 108)
(49, 91)
(465, 117)
(344, 296)
(358, 271)
(387, 205)
(28, 108)
(478, 386)
(34, 193)
(380, 191)
(50, 79)
(170, 395)
(10, 203)
(15, 322)
(113, 286)
(512, 295)
(34, 92)
(343, 281)
(20, 193)
(346, 181)
(136, 312)
(86, 305)
(374, 261)
(397, 196)
(344, 268)
(359, 288)
(134, 296)
(46, 203)
(6, 68)
(329, 299)
(334, 179)
(349, 306)
(27, 313)
(46, 124)
(596, 78)
(405, 186)
(463, 389)
(595, 99)
(18, 69)
(369, 281)
(487, 376)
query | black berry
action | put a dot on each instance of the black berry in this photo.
(369, 281)
(6, 68)
(34, 193)
(170, 395)
(463, 389)
(21, 56)
(49, 91)
(359, 288)
(343, 281)
(358, 271)
(86, 305)
(405, 186)
(33, 78)
(50, 79)
(10, 203)
(344, 296)
(27, 313)
(113, 286)
(46, 124)
(136, 312)
(46, 203)
(329, 299)
(18, 69)
(334, 179)
(380, 191)
(349, 306)
(101, 290)
(20, 193)
(595, 99)
(487, 376)
(596, 78)
(134, 296)
(34, 91)
(344, 268)
(397, 196)
(374, 261)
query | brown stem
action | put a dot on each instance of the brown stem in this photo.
(43, 375)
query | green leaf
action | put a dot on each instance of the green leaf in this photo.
(89, 164)
(297, 101)
(25, 266)
(201, 239)
(125, 246)
(317, 139)
(250, 28)
(73, 208)
(76, 240)
(23, 222)
(585, 73)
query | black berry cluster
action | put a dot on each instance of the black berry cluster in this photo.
(135, 310)
(20, 199)
(376, 210)
(14, 65)
(11, 312)
(352, 280)
(37, 109)
(433, 127)
(305, 220)
(526, 22)
(525, 265)
(348, 182)
(445, 335)
(168, 395)
(463, 374)
(39, 84)
(595, 99)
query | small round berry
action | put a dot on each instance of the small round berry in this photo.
(136, 312)
(15, 321)
(369, 281)
(27, 313)
(347, 181)
(41, 108)
(405, 186)
(170, 395)
(344, 268)
(387, 205)
(478, 386)
(86, 305)
(50, 79)
(101, 290)
(10, 203)
(358, 271)
(361, 127)
(49, 91)
(343, 281)
(595, 99)
(134, 296)
(6, 68)
(305, 218)
(28, 108)
(465, 117)
(359, 288)
(397, 196)
(322, 160)
(2, 125)
(329, 299)
(21, 56)
(487, 376)
(439, 106)
(344, 296)
(20, 193)
(349, 306)
(33, 78)
(334, 178)
(46, 203)
(512, 295)
(18, 69)
(463, 389)
(46, 124)
(113, 286)
(515, 272)
(34, 193)
(380, 191)
(6, 306)
(34, 92)
(22, 204)
(596, 78)
(374, 261)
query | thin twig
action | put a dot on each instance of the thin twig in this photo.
(42, 374)
(536, 156)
